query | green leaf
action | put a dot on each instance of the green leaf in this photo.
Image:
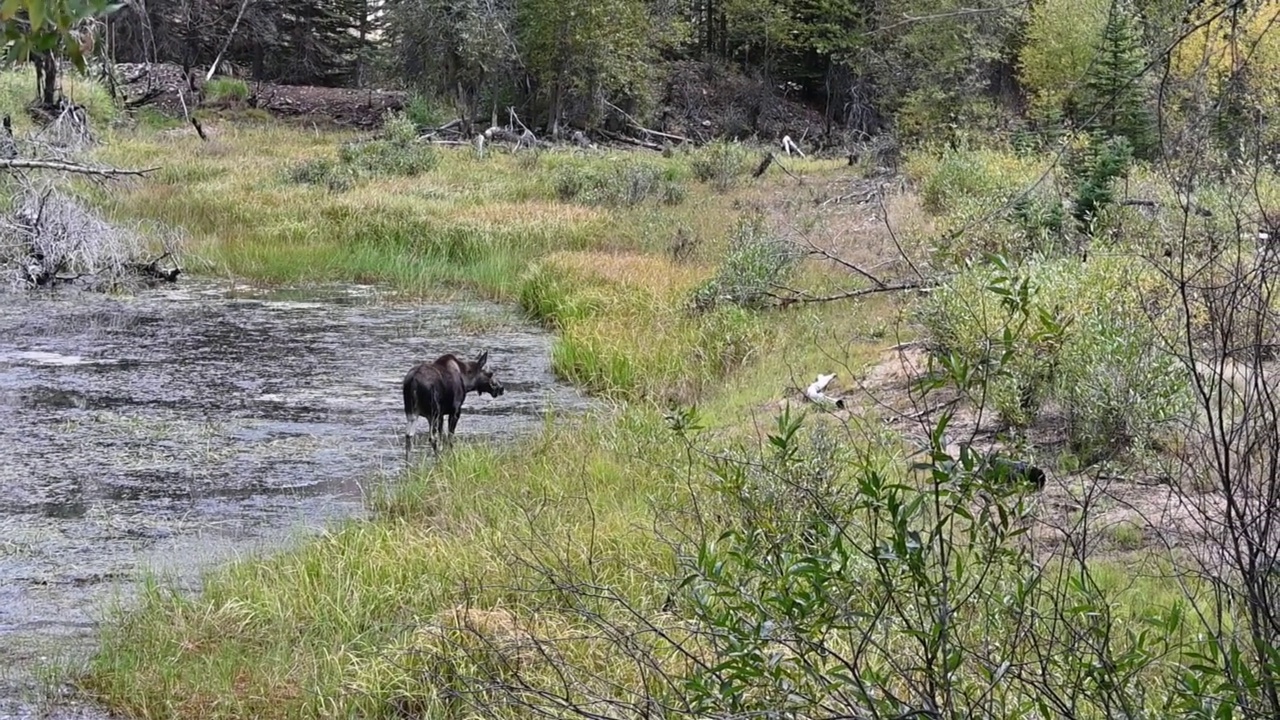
(36, 11)
(9, 8)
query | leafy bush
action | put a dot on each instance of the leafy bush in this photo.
(1063, 334)
(823, 579)
(622, 184)
(396, 154)
(720, 163)
(1062, 38)
(956, 178)
(758, 260)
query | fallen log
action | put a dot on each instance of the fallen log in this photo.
(618, 137)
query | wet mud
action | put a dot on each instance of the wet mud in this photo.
(172, 430)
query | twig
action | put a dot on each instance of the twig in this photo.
(21, 164)
(884, 212)
(788, 300)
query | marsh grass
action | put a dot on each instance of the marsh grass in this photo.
(464, 225)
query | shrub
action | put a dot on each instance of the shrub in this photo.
(425, 111)
(396, 154)
(622, 184)
(1062, 38)
(960, 177)
(756, 263)
(1079, 337)
(720, 163)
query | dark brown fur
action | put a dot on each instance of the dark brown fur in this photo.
(435, 389)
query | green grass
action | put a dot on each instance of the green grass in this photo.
(306, 633)
(334, 627)
(226, 90)
(461, 225)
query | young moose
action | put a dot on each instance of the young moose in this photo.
(435, 389)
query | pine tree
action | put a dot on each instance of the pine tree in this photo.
(1116, 97)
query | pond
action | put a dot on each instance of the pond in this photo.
(171, 430)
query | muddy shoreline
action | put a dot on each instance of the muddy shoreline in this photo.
(167, 432)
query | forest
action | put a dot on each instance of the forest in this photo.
(927, 349)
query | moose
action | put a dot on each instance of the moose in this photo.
(435, 389)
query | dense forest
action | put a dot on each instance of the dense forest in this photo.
(918, 67)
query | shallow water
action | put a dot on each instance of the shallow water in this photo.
(182, 427)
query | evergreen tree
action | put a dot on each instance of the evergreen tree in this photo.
(1116, 101)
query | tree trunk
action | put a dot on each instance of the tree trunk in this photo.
(48, 78)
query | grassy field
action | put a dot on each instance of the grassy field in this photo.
(644, 267)
(305, 633)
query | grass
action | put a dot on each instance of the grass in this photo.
(462, 225)
(334, 626)
(305, 633)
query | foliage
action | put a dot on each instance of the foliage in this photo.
(757, 263)
(586, 53)
(721, 163)
(1062, 41)
(397, 154)
(1095, 165)
(938, 70)
(1064, 334)
(619, 184)
(33, 27)
(1116, 98)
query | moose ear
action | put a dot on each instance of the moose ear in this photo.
(482, 359)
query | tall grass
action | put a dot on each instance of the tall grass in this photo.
(18, 90)
(313, 632)
(464, 224)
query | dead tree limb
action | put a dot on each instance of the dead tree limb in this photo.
(799, 297)
(244, 4)
(63, 166)
(764, 165)
(631, 141)
(636, 125)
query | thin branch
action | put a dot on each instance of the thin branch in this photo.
(63, 166)
(803, 298)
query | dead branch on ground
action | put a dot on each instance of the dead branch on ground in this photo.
(72, 167)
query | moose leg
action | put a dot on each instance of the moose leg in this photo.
(453, 425)
(408, 436)
(437, 424)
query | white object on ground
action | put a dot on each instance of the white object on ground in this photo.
(814, 392)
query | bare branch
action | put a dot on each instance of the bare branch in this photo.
(71, 167)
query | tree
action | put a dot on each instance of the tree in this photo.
(1116, 94)
(1062, 38)
(584, 53)
(42, 30)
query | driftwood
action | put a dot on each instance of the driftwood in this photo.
(153, 271)
(815, 394)
(63, 166)
(631, 141)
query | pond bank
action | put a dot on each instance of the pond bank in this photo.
(173, 430)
